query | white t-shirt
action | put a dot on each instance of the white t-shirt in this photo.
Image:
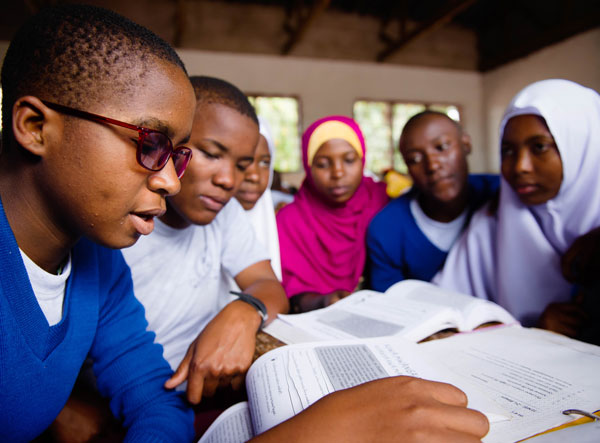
(442, 235)
(49, 289)
(177, 274)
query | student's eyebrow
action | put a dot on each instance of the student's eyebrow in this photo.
(538, 137)
(157, 125)
(219, 145)
(532, 138)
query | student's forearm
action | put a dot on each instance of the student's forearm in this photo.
(271, 293)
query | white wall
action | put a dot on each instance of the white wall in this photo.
(331, 87)
(577, 59)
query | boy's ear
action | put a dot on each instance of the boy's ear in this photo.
(465, 140)
(32, 122)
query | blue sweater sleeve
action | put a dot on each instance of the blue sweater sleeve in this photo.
(382, 269)
(129, 366)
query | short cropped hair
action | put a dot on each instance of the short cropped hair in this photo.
(76, 55)
(428, 112)
(211, 90)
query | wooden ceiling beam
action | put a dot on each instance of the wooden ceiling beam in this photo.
(179, 24)
(451, 11)
(296, 34)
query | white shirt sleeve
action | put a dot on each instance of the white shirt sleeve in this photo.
(241, 248)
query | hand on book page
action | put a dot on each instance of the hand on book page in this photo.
(533, 373)
(402, 409)
(410, 309)
(291, 379)
(397, 409)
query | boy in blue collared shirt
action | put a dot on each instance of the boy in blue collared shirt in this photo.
(411, 236)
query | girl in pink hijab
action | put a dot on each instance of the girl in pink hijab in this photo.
(322, 232)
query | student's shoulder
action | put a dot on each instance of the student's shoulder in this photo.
(287, 214)
(489, 182)
(396, 208)
(384, 227)
(232, 214)
(483, 188)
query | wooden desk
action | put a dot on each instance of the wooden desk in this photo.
(265, 343)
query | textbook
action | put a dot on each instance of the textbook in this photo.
(522, 379)
(533, 373)
(411, 309)
(283, 382)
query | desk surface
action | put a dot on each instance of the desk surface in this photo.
(265, 343)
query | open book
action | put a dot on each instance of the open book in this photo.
(283, 382)
(520, 378)
(535, 374)
(410, 309)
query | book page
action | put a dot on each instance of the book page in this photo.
(289, 379)
(535, 374)
(583, 433)
(410, 309)
(483, 311)
(232, 426)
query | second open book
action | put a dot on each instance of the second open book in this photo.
(410, 309)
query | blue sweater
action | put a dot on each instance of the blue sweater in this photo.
(398, 250)
(39, 363)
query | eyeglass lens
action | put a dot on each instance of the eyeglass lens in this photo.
(156, 150)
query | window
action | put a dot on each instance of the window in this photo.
(282, 113)
(382, 123)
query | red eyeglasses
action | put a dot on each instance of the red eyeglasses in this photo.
(154, 148)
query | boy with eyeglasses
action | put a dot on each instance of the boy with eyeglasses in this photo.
(85, 166)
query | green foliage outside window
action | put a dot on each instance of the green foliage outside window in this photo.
(373, 119)
(282, 114)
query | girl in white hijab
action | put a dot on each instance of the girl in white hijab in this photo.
(254, 195)
(549, 196)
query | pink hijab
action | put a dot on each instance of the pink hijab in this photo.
(323, 246)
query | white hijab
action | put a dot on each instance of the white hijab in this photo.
(262, 215)
(514, 258)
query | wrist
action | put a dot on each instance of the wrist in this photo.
(258, 306)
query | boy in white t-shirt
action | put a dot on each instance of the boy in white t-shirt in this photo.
(208, 338)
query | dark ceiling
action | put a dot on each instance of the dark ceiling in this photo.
(505, 29)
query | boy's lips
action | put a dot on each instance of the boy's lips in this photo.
(213, 203)
(143, 221)
(441, 179)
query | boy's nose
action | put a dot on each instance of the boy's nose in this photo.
(432, 163)
(225, 177)
(165, 181)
